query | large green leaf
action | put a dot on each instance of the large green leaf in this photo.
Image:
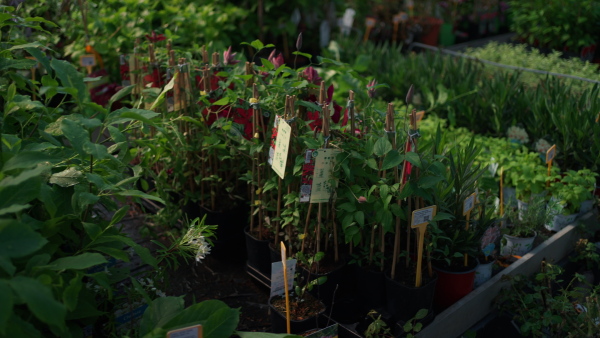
(75, 133)
(6, 304)
(7, 265)
(392, 159)
(71, 292)
(160, 312)
(41, 58)
(66, 178)
(39, 300)
(79, 262)
(70, 77)
(27, 159)
(217, 319)
(16, 64)
(382, 146)
(18, 240)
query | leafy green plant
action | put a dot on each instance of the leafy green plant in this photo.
(572, 188)
(525, 221)
(540, 308)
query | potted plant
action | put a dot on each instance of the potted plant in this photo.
(457, 239)
(522, 226)
(304, 308)
(529, 178)
(569, 191)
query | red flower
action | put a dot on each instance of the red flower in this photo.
(311, 75)
(371, 88)
(155, 37)
(314, 116)
(276, 60)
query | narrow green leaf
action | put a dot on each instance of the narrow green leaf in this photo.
(71, 292)
(79, 262)
(14, 209)
(119, 95)
(161, 97)
(137, 193)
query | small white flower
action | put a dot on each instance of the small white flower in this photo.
(203, 249)
(542, 146)
(517, 134)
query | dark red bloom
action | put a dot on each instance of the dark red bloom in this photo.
(311, 75)
(155, 37)
(276, 59)
(229, 57)
(314, 116)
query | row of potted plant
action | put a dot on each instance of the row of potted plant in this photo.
(380, 173)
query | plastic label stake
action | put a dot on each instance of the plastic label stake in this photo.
(287, 291)
(550, 154)
(420, 219)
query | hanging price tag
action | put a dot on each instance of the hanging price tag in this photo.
(308, 170)
(370, 22)
(187, 332)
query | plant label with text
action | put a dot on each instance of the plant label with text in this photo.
(322, 188)
(277, 278)
(282, 144)
(187, 332)
(469, 203)
(423, 216)
(87, 60)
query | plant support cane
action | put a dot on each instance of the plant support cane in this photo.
(287, 291)
(550, 154)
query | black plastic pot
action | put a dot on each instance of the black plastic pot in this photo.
(370, 288)
(230, 243)
(328, 290)
(404, 301)
(258, 254)
(279, 324)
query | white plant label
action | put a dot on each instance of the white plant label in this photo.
(282, 144)
(423, 216)
(277, 284)
(87, 60)
(469, 203)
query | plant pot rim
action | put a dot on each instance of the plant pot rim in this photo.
(445, 270)
(323, 308)
(516, 237)
(432, 280)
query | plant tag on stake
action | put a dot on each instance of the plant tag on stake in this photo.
(187, 332)
(321, 185)
(87, 60)
(420, 219)
(469, 203)
(550, 154)
(308, 170)
(277, 285)
(282, 144)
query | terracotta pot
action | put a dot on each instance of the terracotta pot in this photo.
(431, 30)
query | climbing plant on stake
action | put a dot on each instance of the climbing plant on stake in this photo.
(468, 205)
(420, 219)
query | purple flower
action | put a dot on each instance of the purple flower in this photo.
(276, 60)
(229, 57)
(299, 41)
(371, 88)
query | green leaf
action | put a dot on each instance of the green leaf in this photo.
(421, 314)
(218, 320)
(6, 64)
(160, 312)
(129, 114)
(28, 159)
(18, 240)
(7, 265)
(119, 214)
(442, 216)
(137, 193)
(113, 252)
(413, 158)
(382, 146)
(14, 209)
(359, 216)
(92, 229)
(43, 59)
(223, 101)
(161, 97)
(79, 262)
(75, 133)
(40, 301)
(71, 292)
(6, 304)
(66, 178)
(70, 77)
(306, 55)
(119, 95)
(391, 160)
(426, 182)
